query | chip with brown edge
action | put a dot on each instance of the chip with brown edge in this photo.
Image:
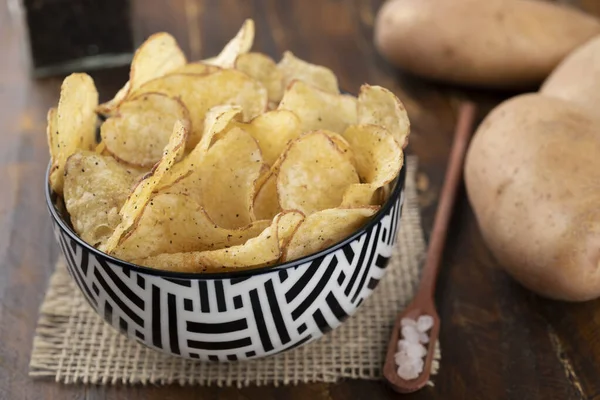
(292, 68)
(265, 249)
(240, 44)
(73, 126)
(185, 176)
(157, 56)
(227, 174)
(273, 131)
(138, 132)
(313, 175)
(187, 228)
(199, 93)
(198, 68)
(379, 106)
(51, 119)
(325, 228)
(318, 109)
(378, 160)
(266, 203)
(262, 68)
(95, 188)
(137, 200)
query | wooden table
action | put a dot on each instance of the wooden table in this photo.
(499, 341)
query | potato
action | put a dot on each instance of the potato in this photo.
(490, 43)
(577, 77)
(532, 173)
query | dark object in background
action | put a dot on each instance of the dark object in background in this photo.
(78, 35)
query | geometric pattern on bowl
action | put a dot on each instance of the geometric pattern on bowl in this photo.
(240, 315)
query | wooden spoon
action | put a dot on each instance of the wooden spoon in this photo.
(424, 303)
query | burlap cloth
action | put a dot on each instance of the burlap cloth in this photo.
(72, 344)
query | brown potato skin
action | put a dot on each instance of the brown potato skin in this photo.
(577, 77)
(532, 174)
(487, 43)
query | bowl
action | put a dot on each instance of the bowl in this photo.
(233, 315)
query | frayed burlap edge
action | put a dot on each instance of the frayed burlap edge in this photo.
(72, 344)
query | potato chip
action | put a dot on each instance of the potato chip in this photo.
(174, 223)
(198, 68)
(273, 131)
(157, 56)
(314, 174)
(199, 93)
(266, 203)
(185, 176)
(108, 107)
(137, 200)
(341, 143)
(325, 228)
(227, 176)
(101, 148)
(262, 68)
(95, 188)
(51, 119)
(379, 106)
(262, 250)
(378, 158)
(240, 44)
(293, 68)
(318, 109)
(75, 126)
(140, 129)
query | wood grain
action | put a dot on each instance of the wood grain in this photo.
(498, 340)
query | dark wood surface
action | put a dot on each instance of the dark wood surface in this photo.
(498, 340)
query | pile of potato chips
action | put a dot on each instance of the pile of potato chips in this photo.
(230, 162)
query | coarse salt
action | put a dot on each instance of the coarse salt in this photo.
(424, 323)
(410, 354)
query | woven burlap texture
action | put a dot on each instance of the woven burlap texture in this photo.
(73, 344)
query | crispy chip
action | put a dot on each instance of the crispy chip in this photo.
(325, 228)
(379, 106)
(101, 148)
(137, 200)
(318, 109)
(139, 131)
(314, 174)
(108, 107)
(198, 68)
(95, 189)
(262, 250)
(293, 68)
(185, 176)
(266, 203)
(187, 228)
(52, 120)
(75, 126)
(199, 93)
(228, 173)
(262, 68)
(240, 44)
(157, 56)
(378, 158)
(273, 131)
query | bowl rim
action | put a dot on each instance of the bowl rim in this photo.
(64, 226)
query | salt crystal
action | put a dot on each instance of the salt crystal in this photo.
(402, 358)
(408, 322)
(407, 372)
(416, 350)
(423, 338)
(424, 323)
(410, 333)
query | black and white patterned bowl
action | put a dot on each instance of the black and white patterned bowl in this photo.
(234, 315)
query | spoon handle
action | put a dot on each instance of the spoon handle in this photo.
(462, 135)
